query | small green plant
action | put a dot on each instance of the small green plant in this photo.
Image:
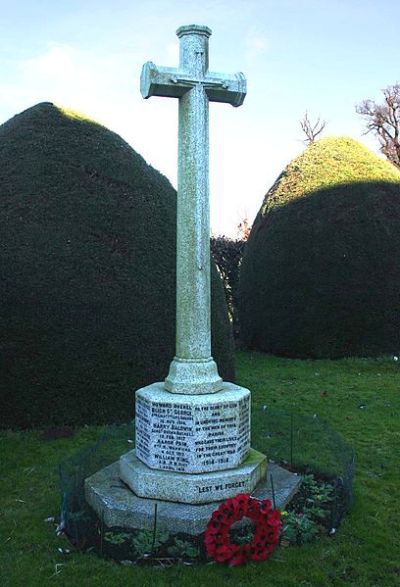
(298, 528)
(315, 498)
(309, 512)
(183, 549)
(146, 542)
(116, 537)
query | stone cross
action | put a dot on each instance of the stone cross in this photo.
(193, 370)
(192, 445)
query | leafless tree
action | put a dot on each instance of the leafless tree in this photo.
(384, 121)
(243, 229)
(311, 130)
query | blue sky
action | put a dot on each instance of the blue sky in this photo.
(324, 56)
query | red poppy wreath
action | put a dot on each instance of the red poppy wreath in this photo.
(266, 534)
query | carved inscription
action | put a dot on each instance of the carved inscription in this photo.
(217, 427)
(192, 437)
(173, 426)
(244, 427)
(143, 416)
(221, 486)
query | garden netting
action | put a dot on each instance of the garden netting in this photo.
(302, 444)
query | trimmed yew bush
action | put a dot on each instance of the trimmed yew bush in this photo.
(321, 272)
(87, 311)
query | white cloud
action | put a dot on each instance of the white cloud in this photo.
(256, 45)
(58, 59)
(68, 76)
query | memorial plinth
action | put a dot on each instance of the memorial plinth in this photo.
(192, 433)
(192, 448)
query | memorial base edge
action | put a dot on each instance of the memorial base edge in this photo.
(190, 488)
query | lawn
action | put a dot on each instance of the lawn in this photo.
(359, 398)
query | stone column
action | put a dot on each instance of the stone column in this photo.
(193, 369)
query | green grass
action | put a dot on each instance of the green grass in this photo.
(358, 397)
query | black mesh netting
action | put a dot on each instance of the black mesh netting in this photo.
(301, 444)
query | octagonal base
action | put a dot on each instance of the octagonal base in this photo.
(117, 506)
(192, 433)
(188, 488)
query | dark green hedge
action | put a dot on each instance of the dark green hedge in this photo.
(321, 272)
(227, 254)
(87, 311)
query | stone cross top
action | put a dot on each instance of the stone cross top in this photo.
(193, 370)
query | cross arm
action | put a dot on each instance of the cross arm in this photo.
(230, 89)
(162, 81)
(174, 83)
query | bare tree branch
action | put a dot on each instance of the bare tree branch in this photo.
(243, 229)
(311, 131)
(384, 121)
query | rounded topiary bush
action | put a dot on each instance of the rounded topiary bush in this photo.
(321, 271)
(87, 312)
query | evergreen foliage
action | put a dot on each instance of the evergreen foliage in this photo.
(227, 254)
(87, 311)
(321, 272)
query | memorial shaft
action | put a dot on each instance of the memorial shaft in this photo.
(193, 327)
(193, 370)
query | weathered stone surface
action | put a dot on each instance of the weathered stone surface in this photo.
(189, 488)
(192, 433)
(188, 376)
(193, 371)
(117, 505)
(284, 482)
